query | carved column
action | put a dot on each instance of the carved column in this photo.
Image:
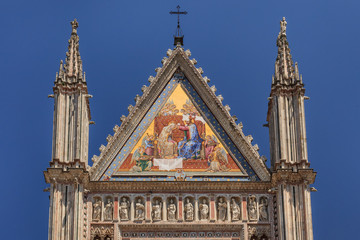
(228, 210)
(164, 210)
(132, 209)
(212, 209)
(116, 209)
(180, 208)
(244, 209)
(196, 209)
(148, 208)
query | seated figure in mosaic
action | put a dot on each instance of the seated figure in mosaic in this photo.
(222, 206)
(263, 209)
(171, 210)
(190, 146)
(108, 212)
(189, 210)
(97, 210)
(139, 210)
(204, 210)
(167, 147)
(235, 210)
(156, 210)
(124, 209)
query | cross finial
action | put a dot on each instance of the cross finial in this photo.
(74, 25)
(178, 37)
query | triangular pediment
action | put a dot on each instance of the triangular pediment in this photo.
(178, 129)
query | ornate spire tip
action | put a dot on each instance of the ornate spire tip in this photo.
(74, 25)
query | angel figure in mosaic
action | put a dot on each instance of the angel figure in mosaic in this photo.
(148, 143)
(263, 209)
(108, 212)
(97, 210)
(218, 160)
(167, 147)
(141, 159)
(189, 210)
(235, 210)
(124, 209)
(139, 210)
(156, 210)
(222, 206)
(171, 210)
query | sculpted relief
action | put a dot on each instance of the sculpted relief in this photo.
(156, 210)
(222, 207)
(124, 207)
(189, 210)
(204, 209)
(252, 207)
(97, 206)
(235, 210)
(139, 209)
(108, 211)
(171, 210)
(263, 209)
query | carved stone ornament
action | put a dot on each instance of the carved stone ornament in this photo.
(259, 232)
(97, 206)
(213, 88)
(124, 207)
(252, 208)
(116, 127)
(102, 231)
(189, 210)
(204, 210)
(139, 210)
(156, 210)
(151, 79)
(235, 210)
(222, 207)
(108, 211)
(171, 210)
(263, 209)
(206, 79)
(169, 52)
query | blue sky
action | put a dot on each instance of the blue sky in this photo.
(122, 42)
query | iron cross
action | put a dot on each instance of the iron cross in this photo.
(178, 22)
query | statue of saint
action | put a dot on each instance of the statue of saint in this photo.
(235, 210)
(124, 209)
(97, 210)
(156, 211)
(283, 24)
(252, 210)
(204, 210)
(171, 210)
(108, 212)
(139, 210)
(189, 210)
(263, 209)
(222, 206)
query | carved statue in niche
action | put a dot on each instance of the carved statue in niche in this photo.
(189, 210)
(108, 212)
(139, 210)
(124, 209)
(235, 210)
(171, 210)
(263, 209)
(204, 210)
(97, 209)
(252, 210)
(222, 206)
(156, 210)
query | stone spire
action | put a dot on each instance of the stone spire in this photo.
(71, 71)
(285, 72)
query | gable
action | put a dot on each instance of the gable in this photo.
(134, 159)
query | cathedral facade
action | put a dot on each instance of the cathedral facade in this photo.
(179, 166)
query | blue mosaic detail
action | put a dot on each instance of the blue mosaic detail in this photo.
(207, 114)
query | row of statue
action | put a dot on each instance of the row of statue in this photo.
(255, 211)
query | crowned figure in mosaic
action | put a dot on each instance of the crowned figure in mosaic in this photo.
(190, 146)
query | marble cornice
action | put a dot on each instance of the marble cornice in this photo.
(183, 226)
(66, 175)
(158, 186)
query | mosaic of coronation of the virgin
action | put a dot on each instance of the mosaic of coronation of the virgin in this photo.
(174, 137)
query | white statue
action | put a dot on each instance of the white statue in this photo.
(124, 209)
(139, 210)
(156, 210)
(189, 210)
(235, 210)
(97, 210)
(283, 24)
(222, 206)
(171, 210)
(108, 212)
(204, 210)
(263, 209)
(252, 208)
